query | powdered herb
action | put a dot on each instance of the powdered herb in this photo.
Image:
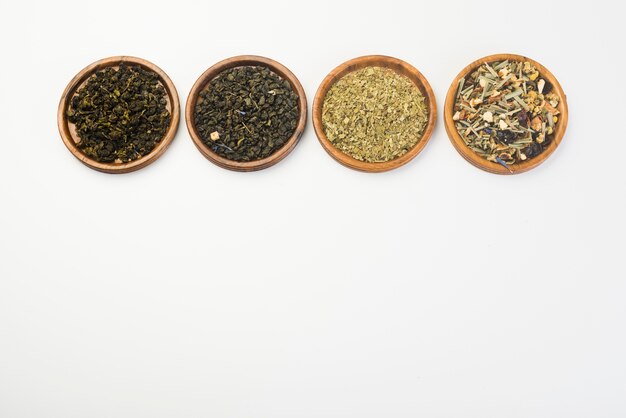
(374, 114)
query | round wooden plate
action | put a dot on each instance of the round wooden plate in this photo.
(68, 131)
(476, 159)
(240, 61)
(399, 67)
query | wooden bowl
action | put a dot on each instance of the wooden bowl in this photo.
(399, 67)
(481, 162)
(241, 61)
(68, 130)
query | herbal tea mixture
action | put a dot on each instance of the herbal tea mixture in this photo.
(374, 114)
(120, 114)
(247, 113)
(506, 112)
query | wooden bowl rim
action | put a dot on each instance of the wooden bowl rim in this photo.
(80, 78)
(481, 162)
(377, 61)
(240, 61)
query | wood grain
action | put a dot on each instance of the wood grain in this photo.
(240, 61)
(68, 131)
(399, 67)
(476, 159)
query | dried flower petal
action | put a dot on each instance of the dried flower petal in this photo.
(518, 99)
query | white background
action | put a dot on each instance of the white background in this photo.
(308, 289)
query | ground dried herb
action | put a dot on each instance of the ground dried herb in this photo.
(247, 113)
(374, 114)
(120, 114)
(506, 112)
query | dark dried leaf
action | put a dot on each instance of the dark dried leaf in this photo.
(120, 115)
(247, 113)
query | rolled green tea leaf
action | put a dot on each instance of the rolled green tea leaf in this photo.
(246, 113)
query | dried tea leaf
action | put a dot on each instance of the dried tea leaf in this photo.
(120, 114)
(247, 113)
